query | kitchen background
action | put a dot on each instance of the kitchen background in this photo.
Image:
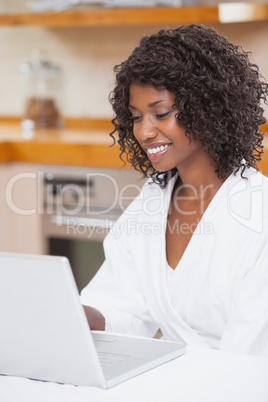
(38, 173)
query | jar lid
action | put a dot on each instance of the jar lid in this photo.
(39, 66)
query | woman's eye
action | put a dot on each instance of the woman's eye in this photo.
(162, 115)
(135, 118)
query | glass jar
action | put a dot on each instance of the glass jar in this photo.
(41, 92)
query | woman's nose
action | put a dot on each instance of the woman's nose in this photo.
(147, 129)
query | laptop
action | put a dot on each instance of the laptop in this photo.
(45, 334)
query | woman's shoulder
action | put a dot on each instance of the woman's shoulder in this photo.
(248, 198)
(256, 181)
(250, 179)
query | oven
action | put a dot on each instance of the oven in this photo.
(79, 207)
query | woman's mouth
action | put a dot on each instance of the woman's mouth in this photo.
(156, 153)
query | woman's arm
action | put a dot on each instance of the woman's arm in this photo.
(95, 319)
(118, 289)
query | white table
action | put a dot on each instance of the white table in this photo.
(198, 376)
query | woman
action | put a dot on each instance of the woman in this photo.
(189, 256)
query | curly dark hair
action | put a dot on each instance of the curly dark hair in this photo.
(218, 93)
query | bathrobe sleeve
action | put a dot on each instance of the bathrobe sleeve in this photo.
(117, 290)
(247, 327)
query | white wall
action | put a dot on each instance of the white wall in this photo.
(87, 56)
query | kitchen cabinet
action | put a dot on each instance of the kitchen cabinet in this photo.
(20, 208)
(21, 181)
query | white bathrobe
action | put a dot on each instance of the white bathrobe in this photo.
(217, 297)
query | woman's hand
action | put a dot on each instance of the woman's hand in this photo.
(95, 319)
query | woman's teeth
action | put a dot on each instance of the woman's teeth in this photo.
(157, 149)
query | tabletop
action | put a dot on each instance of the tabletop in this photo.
(200, 375)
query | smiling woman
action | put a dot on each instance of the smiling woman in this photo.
(156, 129)
(191, 258)
(217, 93)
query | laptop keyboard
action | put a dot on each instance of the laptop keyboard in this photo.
(107, 359)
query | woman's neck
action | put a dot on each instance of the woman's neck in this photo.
(199, 180)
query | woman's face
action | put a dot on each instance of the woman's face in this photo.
(156, 129)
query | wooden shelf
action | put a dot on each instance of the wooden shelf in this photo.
(222, 13)
(87, 144)
(83, 142)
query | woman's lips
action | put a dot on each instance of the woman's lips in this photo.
(155, 153)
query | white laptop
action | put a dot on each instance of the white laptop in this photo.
(45, 334)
